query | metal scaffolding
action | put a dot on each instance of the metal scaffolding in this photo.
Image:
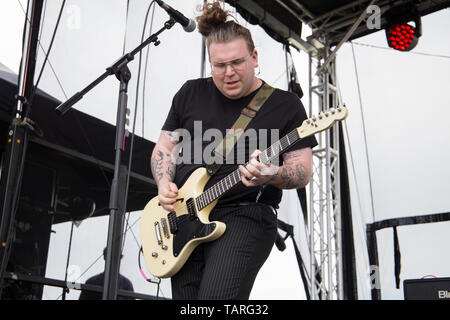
(324, 194)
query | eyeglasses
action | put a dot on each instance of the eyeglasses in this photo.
(221, 67)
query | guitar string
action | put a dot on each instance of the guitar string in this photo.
(284, 143)
(214, 192)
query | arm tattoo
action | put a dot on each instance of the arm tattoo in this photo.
(293, 173)
(173, 136)
(162, 165)
(163, 157)
(293, 176)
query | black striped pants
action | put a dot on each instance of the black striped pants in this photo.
(227, 267)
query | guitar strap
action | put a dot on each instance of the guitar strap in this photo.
(232, 135)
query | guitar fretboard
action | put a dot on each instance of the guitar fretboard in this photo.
(219, 188)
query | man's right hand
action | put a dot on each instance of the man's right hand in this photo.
(167, 194)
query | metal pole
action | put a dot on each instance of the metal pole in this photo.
(203, 56)
(117, 196)
(14, 155)
(65, 290)
(203, 60)
(311, 201)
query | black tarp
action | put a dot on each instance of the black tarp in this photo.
(75, 154)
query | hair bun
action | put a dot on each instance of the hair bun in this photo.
(213, 16)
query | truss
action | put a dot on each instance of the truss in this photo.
(324, 197)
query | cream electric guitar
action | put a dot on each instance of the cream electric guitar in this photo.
(168, 238)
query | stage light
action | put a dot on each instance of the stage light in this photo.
(404, 27)
(402, 36)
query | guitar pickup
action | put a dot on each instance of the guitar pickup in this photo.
(165, 228)
(172, 218)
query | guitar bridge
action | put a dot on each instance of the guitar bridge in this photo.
(158, 233)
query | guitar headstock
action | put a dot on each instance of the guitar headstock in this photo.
(322, 121)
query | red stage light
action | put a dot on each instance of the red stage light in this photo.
(402, 37)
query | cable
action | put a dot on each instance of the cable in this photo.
(45, 53)
(136, 106)
(340, 102)
(411, 52)
(157, 282)
(357, 218)
(126, 23)
(44, 11)
(145, 73)
(123, 52)
(129, 228)
(46, 56)
(134, 125)
(51, 43)
(364, 132)
(65, 290)
(100, 256)
(135, 112)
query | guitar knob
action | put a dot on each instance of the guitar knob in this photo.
(164, 247)
(154, 255)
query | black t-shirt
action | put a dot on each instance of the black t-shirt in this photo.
(202, 111)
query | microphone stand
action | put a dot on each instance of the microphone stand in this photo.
(117, 203)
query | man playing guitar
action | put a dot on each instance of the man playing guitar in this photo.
(227, 267)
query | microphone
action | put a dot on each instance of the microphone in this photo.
(188, 24)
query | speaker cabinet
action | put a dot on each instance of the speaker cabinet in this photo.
(427, 289)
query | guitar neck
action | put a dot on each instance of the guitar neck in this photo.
(218, 189)
(309, 127)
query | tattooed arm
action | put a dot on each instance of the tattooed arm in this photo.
(295, 171)
(163, 156)
(293, 174)
(163, 167)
